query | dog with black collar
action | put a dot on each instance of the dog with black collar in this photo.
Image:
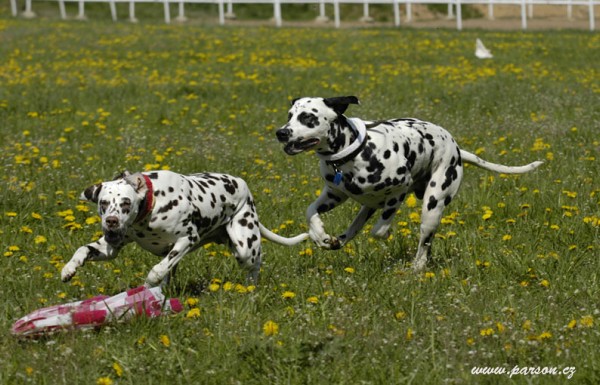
(378, 164)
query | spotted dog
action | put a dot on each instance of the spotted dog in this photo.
(377, 164)
(170, 215)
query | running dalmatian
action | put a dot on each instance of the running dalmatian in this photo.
(377, 164)
(170, 215)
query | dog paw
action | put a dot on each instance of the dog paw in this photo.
(68, 272)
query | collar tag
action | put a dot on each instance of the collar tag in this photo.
(337, 179)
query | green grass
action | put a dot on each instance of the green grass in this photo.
(514, 283)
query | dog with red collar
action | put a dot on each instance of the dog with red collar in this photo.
(170, 215)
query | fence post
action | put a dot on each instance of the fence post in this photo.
(592, 17)
(322, 18)
(458, 15)
(221, 12)
(523, 15)
(167, 9)
(28, 13)
(62, 10)
(113, 10)
(277, 12)
(409, 11)
(13, 7)
(491, 10)
(132, 18)
(396, 13)
(336, 13)
(81, 11)
(181, 15)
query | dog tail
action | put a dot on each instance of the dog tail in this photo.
(473, 159)
(271, 236)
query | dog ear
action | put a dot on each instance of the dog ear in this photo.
(294, 101)
(122, 175)
(136, 180)
(340, 103)
(91, 193)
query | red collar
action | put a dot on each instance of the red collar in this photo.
(148, 202)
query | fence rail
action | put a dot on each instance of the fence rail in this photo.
(225, 8)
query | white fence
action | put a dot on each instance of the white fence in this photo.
(454, 8)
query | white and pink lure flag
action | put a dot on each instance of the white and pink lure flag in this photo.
(97, 311)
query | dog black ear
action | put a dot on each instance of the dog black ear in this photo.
(294, 101)
(340, 103)
(91, 193)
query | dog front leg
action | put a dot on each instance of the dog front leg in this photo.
(96, 251)
(327, 201)
(162, 270)
(359, 222)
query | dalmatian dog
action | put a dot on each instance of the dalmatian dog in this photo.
(377, 164)
(170, 215)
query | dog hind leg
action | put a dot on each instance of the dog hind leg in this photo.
(244, 234)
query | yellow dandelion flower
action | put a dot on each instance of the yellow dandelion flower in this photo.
(227, 286)
(192, 302)
(118, 369)
(586, 321)
(572, 324)
(11, 214)
(411, 201)
(349, 270)
(36, 216)
(288, 294)
(104, 381)
(507, 237)
(545, 283)
(313, 300)
(165, 340)
(526, 325)
(214, 287)
(193, 313)
(544, 336)
(409, 334)
(486, 332)
(270, 328)
(500, 327)
(429, 274)
(470, 341)
(40, 239)
(400, 315)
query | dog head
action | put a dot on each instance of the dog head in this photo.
(118, 204)
(310, 121)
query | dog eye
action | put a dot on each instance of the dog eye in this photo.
(103, 206)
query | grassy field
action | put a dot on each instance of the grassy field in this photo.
(515, 278)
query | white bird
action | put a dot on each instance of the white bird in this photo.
(481, 52)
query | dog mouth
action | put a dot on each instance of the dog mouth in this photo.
(114, 238)
(299, 146)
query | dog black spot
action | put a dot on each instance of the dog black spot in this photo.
(401, 170)
(396, 147)
(334, 197)
(387, 154)
(447, 200)
(230, 188)
(153, 175)
(387, 214)
(432, 203)
(308, 120)
(243, 222)
(432, 183)
(251, 240)
(392, 202)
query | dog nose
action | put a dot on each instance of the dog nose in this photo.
(283, 134)
(112, 221)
